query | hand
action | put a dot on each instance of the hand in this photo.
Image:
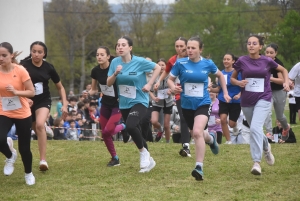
(11, 89)
(55, 115)
(176, 129)
(177, 90)
(227, 98)
(156, 99)
(156, 85)
(30, 102)
(218, 121)
(64, 112)
(118, 70)
(286, 87)
(80, 136)
(243, 83)
(281, 141)
(146, 88)
(169, 92)
(291, 83)
(236, 97)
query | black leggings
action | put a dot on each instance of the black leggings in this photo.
(23, 129)
(146, 124)
(185, 134)
(132, 118)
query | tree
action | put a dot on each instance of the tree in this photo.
(287, 36)
(71, 23)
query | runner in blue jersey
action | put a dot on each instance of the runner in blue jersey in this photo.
(233, 108)
(195, 100)
(129, 73)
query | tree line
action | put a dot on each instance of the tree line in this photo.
(74, 29)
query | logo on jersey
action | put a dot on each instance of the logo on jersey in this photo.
(134, 113)
(204, 71)
(183, 62)
(189, 71)
(132, 73)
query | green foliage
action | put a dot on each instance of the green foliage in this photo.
(287, 36)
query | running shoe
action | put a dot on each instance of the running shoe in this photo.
(197, 173)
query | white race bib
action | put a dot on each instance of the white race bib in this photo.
(11, 103)
(255, 84)
(162, 94)
(127, 91)
(292, 100)
(108, 91)
(194, 89)
(225, 77)
(212, 121)
(38, 87)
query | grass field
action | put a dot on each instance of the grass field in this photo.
(78, 172)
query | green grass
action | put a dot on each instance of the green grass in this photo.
(78, 172)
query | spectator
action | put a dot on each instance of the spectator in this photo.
(278, 130)
(59, 105)
(59, 132)
(72, 104)
(72, 133)
(175, 125)
(292, 107)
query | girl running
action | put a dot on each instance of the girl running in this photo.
(15, 87)
(41, 72)
(193, 74)
(129, 73)
(110, 112)
(256, 95)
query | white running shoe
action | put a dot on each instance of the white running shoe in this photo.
(256, 169)
(30, 179)
(150, 167)
(269, 156)
(228, 142)
(144, 159)
(43, 165)
(9, 164)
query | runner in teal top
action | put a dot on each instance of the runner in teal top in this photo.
(129, 73)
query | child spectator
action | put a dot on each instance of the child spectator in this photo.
(292, 107)
(93, 112)
(72, 133)
(278, 130)
(175, 125)
(59, 132)
(72, 104)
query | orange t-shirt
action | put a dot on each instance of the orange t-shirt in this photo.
(16, 78)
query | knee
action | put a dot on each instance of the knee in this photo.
(40, 126)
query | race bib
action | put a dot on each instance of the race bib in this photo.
(162, 94)
(255, 84)
(38, 87)
(11, 103)
(194, 89)
(108, 91)
(127, 91)
(292, 100)
(212, 121)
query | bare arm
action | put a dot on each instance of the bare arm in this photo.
(278, 80)
(156, 71)
(28, 92)
(62, 93)
(285, 76)
(223, 85)
(94, 87)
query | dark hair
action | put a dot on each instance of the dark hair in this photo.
(10, 49)
(70, 113)
(93, 104)
(232, 56)
(260, 39)
(37, 43)
(196, 38)
(107, 52)
(161, 59)
(85, 101)
(73, 98)
(183, 39)
(80, 105)
(71, 121)
(129, 40)
(274, 46)
(57, 122)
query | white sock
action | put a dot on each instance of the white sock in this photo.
(186, 145)
(199, 163)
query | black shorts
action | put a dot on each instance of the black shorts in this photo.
(297, 103)
(189, 115)
(231, 109)
(166, 110)
(34, 107)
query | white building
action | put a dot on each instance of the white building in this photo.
(22, 23)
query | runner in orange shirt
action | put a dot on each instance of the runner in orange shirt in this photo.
(15, 87)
